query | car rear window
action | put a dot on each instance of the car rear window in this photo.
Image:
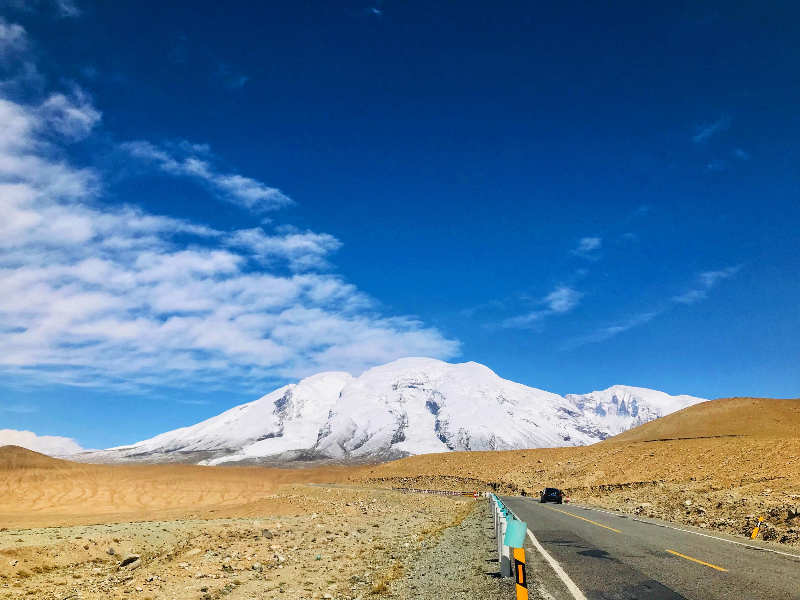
(550, 491)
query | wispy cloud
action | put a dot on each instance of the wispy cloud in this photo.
(710, 130)
(231, 76)
(587, 247)
(224, 72)
(117, 297)
(604, 333)
(195, 161)
(561, 300)
(62, 8)
(19, 409)
(705, 282)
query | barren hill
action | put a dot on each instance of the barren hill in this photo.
(14, 458)
(750, 417)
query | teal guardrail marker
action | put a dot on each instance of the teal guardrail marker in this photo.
(515, 534)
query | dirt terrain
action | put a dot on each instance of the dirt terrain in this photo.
(158, 532)
(204, 533)
(36, 490)
(740, 417)
(723, 482)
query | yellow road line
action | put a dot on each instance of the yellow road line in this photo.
(697, 561)
(582, 519)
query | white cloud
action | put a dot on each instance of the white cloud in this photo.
(605, 333)
(194, 161)
(706, 281)
(13, 40)
(561, 300)
(586, 246)
(64, 8)
(67, 8)
(46, 444)
(71, 116)
(114, 296)
(708, 131)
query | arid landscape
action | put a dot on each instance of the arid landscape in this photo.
(718, 465)
(89, 531)
(70, 530)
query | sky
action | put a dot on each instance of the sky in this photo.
(204, 201)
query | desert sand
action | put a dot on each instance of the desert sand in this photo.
(70, 530)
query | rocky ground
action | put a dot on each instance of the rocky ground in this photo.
(460, 565)
(302, 542)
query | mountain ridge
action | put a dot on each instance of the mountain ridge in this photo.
(406, 407)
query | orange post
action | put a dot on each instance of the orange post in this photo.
(755, 531)
(519, 574)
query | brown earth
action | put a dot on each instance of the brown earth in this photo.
(71, 530)
(750, 468)
(38, 491)
(749, 417)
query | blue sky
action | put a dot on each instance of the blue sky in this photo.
(208, 200)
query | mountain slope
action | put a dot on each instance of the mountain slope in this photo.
(286, 420)
(410, 406)
(750, 417)
(622, 407)
(419, 406)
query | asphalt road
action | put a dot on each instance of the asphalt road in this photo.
(607, 556)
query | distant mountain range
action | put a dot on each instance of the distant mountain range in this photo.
(409, 406)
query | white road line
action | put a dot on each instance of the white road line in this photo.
(562, 575)
(713, 537)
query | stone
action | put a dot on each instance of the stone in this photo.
(110, 552)
(257, 567)
(267, 534)
(129, 560)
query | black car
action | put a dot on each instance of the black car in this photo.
(552, 495)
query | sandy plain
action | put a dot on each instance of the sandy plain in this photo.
(171, 531)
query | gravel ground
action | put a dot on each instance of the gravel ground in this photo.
(461, 565)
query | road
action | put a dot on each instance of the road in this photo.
(610, 556)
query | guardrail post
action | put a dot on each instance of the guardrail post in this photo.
(503, 551)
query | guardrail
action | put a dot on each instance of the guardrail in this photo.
(438, 492)
(510, 533)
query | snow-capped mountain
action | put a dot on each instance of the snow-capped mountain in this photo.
(409, 406)
(622, 407)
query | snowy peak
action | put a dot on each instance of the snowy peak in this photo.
(622, 407)
(409, 406)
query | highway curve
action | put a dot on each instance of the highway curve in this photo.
(609, 556)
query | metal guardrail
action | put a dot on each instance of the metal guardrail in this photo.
(437, 492)
(510, 533)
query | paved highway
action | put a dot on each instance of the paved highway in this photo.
(596, 555)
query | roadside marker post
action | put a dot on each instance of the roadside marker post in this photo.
(519, 574)
(755, 531)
